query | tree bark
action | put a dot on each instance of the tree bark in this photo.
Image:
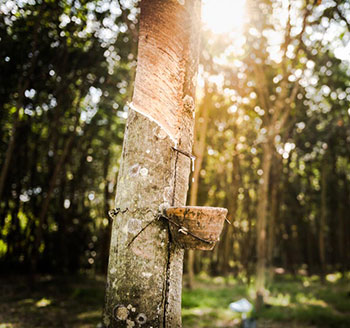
(144, 276)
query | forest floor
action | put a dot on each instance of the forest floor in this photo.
(74, 302)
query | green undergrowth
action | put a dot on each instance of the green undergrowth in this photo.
(76, 301)
(291, 302)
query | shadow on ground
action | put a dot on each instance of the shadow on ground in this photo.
(51, 302)
(76, 301)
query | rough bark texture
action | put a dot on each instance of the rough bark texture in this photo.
(145, 268)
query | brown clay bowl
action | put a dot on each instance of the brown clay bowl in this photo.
(196, 227)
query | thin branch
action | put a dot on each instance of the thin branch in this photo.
(342, 17)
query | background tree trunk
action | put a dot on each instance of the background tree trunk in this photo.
(262, 209)
(323, 220)
(145, 268)
(8, 157)
(199, 149)
(46, 202)
(274, 208)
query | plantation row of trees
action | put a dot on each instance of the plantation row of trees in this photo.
(273, 142)
(65, 72)
(272, 135)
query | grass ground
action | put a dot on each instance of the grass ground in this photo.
(76, 302)
(292, 302)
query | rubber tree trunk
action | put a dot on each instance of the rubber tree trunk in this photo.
(144, 276)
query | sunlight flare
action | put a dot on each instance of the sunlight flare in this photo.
(223, 16)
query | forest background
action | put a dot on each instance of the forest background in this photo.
(272, 137)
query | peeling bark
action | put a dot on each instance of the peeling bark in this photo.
(145, 268)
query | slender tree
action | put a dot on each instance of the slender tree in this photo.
(198, 149)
